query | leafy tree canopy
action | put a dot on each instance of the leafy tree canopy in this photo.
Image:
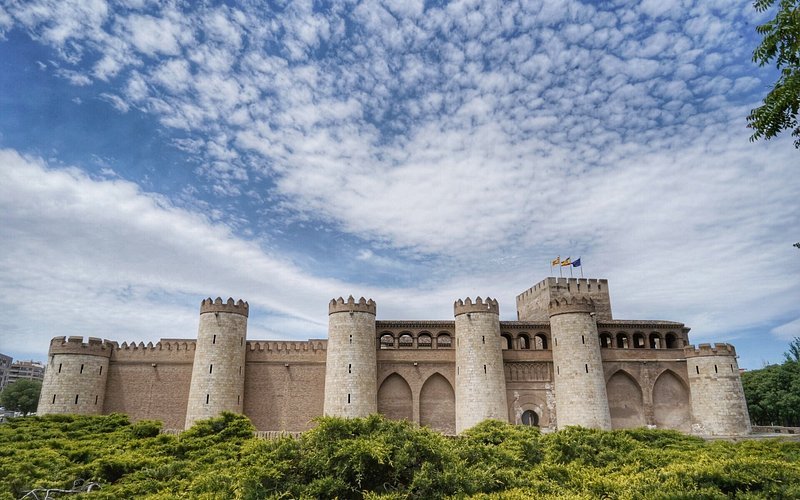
(781, 45)
(773, 392)
(22, 396)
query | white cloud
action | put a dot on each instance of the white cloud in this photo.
(116, 101)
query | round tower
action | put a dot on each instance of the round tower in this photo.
(580, 388)
(75, 377)
(351, 364)
(718, 404)
(218, 370)
(480, 377)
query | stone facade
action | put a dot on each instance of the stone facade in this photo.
(566, 361)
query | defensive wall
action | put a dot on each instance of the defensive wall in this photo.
(636, 372)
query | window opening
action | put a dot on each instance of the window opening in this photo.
(96, 398)
(59, 368)
(348, 399)
(76, 399)
(483, 339)
(349, 368)
(586, 367)
(81, 368)
(210, 368)
(583, 339)
(697, 369)
(214, 340)
(351, 339)
(101, 370)
(484, 369)
(207, 397)
(715, 369)
(54, 399)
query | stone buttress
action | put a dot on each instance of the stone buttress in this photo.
(718, 404)
(480, 377)
(76, 376)
(580, 388)
(218, 371)
(351, 362)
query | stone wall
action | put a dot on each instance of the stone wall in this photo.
(533, 303)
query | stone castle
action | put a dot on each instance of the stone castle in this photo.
(565, 361)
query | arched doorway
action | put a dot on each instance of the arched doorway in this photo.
(625, 401)
(437, 404)
(394, 398)
(671, 405)
(531, 418)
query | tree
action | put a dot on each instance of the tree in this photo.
(773, 392)
(22, 396)
(781, 44)
(793, 354)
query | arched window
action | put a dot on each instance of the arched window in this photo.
(424, 341)
(606, 340)
(671, 341)
(540, 341)
(622, 341)
(387, 341)
(638, 341)
(505, 343)
(529, 417)
(524, 341)
(444, 341)
(406, 340)
(655, 341)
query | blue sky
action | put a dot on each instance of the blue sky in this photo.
(155, 153)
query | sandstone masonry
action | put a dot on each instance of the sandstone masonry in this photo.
(565, 361)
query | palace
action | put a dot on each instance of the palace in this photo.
(565, 361)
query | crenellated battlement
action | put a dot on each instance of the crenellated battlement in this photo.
(286, 347)
(566, 305)
(707, 350)
(163, 345)
(75, 345)
(217, 305)
(340, 305)
(467, 306)
(573, 285)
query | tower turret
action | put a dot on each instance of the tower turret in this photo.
(480, 377)
(580, 388)
(351, 363)
(218, 370)
(718, 404)
(76, 375)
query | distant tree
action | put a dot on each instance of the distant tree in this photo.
(781, 44)
(22, 396)
(773, 392)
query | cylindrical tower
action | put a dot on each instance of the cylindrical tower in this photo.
(351, 364)
(718, 404)
(76, 375)
(480, 377)
(580, 388)
(218, 370)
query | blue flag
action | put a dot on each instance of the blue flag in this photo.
(576, 262)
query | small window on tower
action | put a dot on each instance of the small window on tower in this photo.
(210, 368)
(207, 398)
(349, 368)
(76, 399)
(697, 369)
(484, 369)
(54, 399)
(237, 398)
(81, 368)
(351, 339)
(59, 368)
(96, 398)
(583, 339)
(715, 369)
(483, 339)
(101, 370)
(214, 339)
(348, 399)
(586, 367)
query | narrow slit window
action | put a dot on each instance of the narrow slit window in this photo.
(81, 368)
(351, 339)
(697, 369)
(348, 399)
(101, 370)
(716, 370)
(731, 367)
(96, 398)
(76, 399)
(240, 370)
(241, 340)
(586, 367)
(349, 368)
(207, 397)
(54, 399)
(555, 341)
(214, 339)
(237, 398)
(484, 369)
(583, 339)
(59, 368)
(210, 368)
(558, 370)
(483, 339)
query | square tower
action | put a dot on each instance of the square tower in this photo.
(533, 303)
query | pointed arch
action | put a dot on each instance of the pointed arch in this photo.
(437, 404)
(625, 401)
(394, 398)
(671, 404)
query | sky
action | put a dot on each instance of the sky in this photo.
(153, 154)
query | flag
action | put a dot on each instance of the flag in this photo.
(576, 262)
(566, 262)
(556, 261)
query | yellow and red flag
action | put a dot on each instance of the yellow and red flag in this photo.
(556, 261)
(566, 262)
